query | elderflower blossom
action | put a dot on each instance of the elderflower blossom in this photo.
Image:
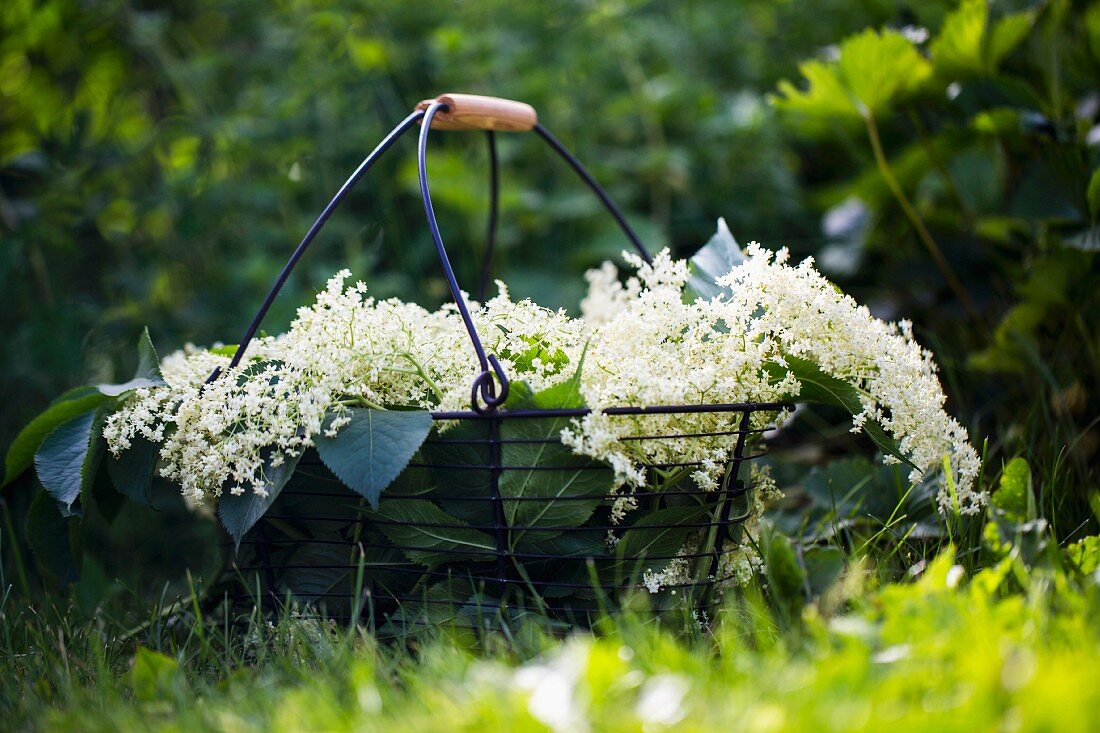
(643, 343)
(807, 316)
(345, 350)
(656, 348)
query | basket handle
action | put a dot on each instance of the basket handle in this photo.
(475, 112)
(449, 112)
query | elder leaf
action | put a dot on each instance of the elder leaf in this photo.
(147, 373)
(239, 513)
(75, 402)
(428, 535)
(67, 460)
(369, 452)
(817, 386)
(715, 259)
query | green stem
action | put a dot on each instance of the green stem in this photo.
(424, 375)
(937, 163)
(918, 224)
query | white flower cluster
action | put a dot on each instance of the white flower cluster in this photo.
(654, 346)
(647, 344)
(346, 350)
(651, 347)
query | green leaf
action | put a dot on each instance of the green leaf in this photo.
(429, 536)
(715, 259)
(1085, 554)
(817, 386)
(653, 539)
(51, 536)
(155, 676)
(1093, 195)
(967, 46)
(371, 450)
(957, 48)
(316, 570)
(1008, 32)
(67, 459)
(239, 513)
(147, 373)
(461, 492)
(449, 601)
(71, 404)
(132, 471)
(873, 70)
(549, 485)
(823, 564)
(1014, 495)
(786, 577)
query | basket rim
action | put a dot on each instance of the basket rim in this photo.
(617, 410)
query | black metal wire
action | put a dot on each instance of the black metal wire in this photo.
(494, 208)
(585, 176)
(314, 230)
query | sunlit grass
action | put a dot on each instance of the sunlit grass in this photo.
(946, 652)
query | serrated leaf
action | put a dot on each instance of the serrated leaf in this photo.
(1014, 495)
(825, 96)
(317, 570)
(67, 460)
(872, 71)
(442, 603)
(147, 373)
(239, 513)
(957, 48)
(786, 577)
(71, 404)
(429, 536)
(817, 386)
(715, 259)
(543, 482)
(653, 539)
(50, 538)
(1093, 195)
(877, 68)
(132, 470)
(463, 491)
(966, 44)
(371, 450)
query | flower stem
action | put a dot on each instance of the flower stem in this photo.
(918, 224)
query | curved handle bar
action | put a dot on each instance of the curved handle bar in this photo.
(474, 113)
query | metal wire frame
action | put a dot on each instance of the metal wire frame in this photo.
(269, 553)
(267, 556)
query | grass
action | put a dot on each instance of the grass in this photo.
(1011, 647)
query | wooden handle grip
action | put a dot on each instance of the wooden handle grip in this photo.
(475, 112)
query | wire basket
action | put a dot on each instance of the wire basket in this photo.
(318, 544)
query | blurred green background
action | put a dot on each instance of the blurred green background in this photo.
(159, 161)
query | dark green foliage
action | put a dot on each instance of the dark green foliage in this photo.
(132, 470)
(370, 451)
(240, 512)
(65, 462)
(54, 538)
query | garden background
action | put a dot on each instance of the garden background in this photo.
(158, 162)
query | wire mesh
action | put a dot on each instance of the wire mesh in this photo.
(324, 546)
